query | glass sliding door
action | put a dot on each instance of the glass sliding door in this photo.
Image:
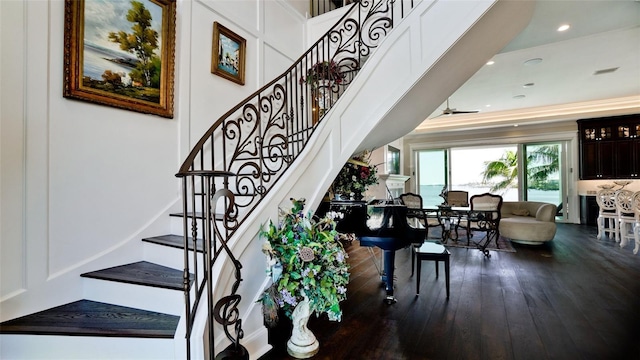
(432, 175)
(531, 171)
(545, 176)
(492, 169)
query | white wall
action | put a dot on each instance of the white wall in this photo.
(82, 183)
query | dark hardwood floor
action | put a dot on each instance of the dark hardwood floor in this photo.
(574, 298)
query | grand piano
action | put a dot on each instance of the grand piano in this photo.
(390, 233)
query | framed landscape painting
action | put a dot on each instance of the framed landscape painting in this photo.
(228, 54)
(121, 53)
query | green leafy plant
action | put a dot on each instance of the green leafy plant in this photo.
(356, 176)
(305, 260)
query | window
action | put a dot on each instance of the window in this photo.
(537, 175)
(544, 174)
(469, 164)
(432, 175)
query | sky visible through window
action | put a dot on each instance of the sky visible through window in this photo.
(467, 164)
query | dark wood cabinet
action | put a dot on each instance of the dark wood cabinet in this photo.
(588, 210)
(628, 152)
(610, 147)
(628, 157)
(597, 160)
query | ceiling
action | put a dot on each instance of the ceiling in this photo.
(604, 34)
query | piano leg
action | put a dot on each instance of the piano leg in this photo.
(389, 265)
(389, 246)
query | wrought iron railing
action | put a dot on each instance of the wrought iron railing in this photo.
(243, 154)
(319, 7)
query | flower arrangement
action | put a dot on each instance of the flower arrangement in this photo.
(356, 176)
(306, 261)
(323, 70)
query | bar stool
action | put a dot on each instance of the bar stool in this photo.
(606, 199)
(434, 252)
(636, 226)
(626, 216)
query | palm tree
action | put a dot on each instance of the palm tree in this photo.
(543, 161)
(505, 168)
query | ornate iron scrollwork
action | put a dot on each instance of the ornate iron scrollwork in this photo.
(226, 313)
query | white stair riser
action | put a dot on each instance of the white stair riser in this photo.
(41, 347)
(176, 226)
(168, 256)
(136, 296)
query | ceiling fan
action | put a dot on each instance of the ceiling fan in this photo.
(450, 111)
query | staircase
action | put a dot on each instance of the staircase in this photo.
(288, 151)
(110, 323)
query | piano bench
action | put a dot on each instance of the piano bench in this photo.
(434, 252)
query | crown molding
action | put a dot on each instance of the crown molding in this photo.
(528, 116)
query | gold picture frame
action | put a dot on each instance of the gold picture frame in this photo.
(103, 66)
(228, 54)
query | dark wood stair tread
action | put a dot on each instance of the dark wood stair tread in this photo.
(175, 241)
(198, 215)
(141, 273)
(91, 318)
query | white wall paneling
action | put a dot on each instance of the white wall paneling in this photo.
(12, 147)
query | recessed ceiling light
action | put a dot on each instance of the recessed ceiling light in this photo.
(528, 85)
(490, 62)
(515, 125)
(534, 61)
(488, 105)
(564, 27)
(519, 96)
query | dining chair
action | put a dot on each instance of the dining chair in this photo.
(458, 198)
(484, 216)
(625, 216)
(607, 213)
(417, 215)
(636, 225)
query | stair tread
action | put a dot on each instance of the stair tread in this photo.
(141, 273)
(198, 215)
(175, 241)
(92, 318)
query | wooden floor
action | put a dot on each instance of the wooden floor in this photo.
(575, 298)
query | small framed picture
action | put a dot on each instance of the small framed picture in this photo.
(393, 160)
(228, 54)
(121, 54)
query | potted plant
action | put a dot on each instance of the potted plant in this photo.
(321, 72)
(355, 177)
(309, 272)
(322, 77)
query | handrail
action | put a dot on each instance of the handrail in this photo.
(246, 151)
